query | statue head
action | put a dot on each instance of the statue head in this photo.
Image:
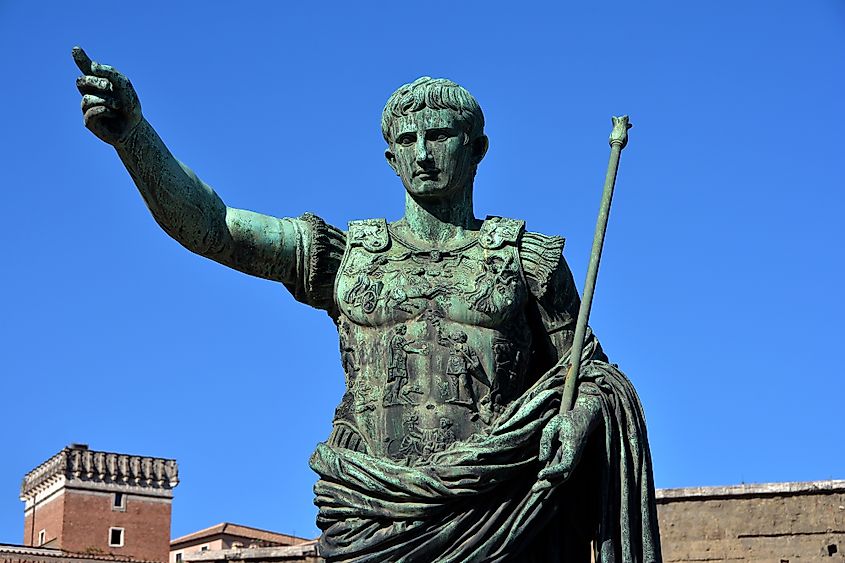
(435, 135)
(458, 336)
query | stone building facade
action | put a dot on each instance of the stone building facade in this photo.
(226, 536)
(776, 522)
(303, 553)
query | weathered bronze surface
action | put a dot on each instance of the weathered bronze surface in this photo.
(455, 336)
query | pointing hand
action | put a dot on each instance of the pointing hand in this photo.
(110, 106)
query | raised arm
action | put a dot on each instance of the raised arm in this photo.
(185, 207)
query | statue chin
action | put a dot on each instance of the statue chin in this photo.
(430, 189)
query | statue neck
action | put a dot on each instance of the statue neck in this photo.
(440, 220)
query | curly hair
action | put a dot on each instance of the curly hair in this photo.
(433, 93)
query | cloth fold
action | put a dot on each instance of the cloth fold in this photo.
(474, 501)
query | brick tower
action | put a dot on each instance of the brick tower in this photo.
(92, 502)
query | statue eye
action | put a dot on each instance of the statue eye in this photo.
(438, 135)
(406, 140)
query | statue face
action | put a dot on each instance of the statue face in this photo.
(429, 154)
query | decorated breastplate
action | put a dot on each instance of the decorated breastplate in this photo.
(434, 342)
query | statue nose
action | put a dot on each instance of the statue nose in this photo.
(422, 150)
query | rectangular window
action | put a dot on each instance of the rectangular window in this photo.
(204, 548)
(118, 502)
(115, 537)
(179, 557)
(42, 537)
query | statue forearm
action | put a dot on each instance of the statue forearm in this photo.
(186, 208)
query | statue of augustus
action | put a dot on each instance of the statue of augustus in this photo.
(455, 333)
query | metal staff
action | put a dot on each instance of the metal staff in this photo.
(618, 141)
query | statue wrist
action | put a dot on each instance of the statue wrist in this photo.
(130, 133)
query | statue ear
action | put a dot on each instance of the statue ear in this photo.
(391, 160)
(479, 148)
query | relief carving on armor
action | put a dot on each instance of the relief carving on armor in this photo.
(462, 366)
(462, 362)
(417, 444)
(397, 389)
(412, 286)
(348, 359)
(417, 277)
(496, 231)
(350, 364)
(508, 362)
(365, 399)
(493, 286)
(365, 293)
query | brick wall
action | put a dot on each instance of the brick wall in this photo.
(48, 517)
(89, 515)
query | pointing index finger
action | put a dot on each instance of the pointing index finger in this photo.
(82, 60)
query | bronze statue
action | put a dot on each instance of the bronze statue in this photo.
(455, 336)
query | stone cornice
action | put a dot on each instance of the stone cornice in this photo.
(80, 467)
(255, 554)
(750, 490)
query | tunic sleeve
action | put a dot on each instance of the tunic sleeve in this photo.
(319, 248)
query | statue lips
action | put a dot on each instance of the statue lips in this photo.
(427, 174)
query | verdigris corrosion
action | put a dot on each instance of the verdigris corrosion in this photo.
(455, 334)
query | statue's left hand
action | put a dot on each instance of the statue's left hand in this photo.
(563, 439)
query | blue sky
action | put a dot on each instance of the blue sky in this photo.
(720, 292)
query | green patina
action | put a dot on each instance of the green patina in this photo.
(455, 336)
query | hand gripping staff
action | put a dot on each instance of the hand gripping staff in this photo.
(618, 141)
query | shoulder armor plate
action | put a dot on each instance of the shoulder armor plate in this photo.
(369, 233)
(499, 231)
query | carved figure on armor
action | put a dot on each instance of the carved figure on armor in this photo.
(365, 399)
(462, 361)
(418, 444)
(397, 390)
(347, 354)
(507, 381)
(491, 285)
(445, 435)
(411, 446)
